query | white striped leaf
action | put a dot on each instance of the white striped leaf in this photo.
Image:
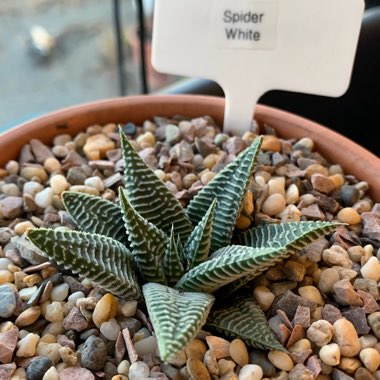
(94, 214)
(230, 264)
(198, 245)
(244, 319)
(146, 240)
(292, 237)
(229, 187)
(103, 260)
(149, 196)
(173, 267)
(176, 316)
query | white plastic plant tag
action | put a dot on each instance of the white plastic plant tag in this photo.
(252, 46)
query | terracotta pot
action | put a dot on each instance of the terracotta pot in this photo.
(353, 158)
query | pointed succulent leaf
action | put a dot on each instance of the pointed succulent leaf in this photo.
(146, 240)
(229, 187)
(149, 196)
(289, 236)
(244, 319)
(103, 260)
(198, 245)
(180, 250)
(230, 264)
(176, 316)
(95, 215)
(173, 267)
(294, 235)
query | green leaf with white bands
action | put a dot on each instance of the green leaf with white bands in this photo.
(95, 215)
(231, 263)
(198, 245)
(245, 320)
(173, 267)
(146, 240)
(103, 260)
(149, 196)
(291, 237)
(229, 187)
(176, 316)
(294, 235)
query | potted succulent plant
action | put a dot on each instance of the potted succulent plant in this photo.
(186, 263)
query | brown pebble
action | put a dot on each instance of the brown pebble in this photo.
(197, 369)
(28, 316)
(220, 346)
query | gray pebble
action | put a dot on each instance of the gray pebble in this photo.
(93, 353)
(38, 367)
(8, 301)
(358, 318)
(349, 195)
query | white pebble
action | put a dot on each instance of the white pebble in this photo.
(54, 312)
(73, 298)
(146, 346)
(292, 194)
(371, 269)
(26, 293)
(138, 370)
(44, 198)
(27, 345)
(251, 372)
(128, 309)
(264, 297)
(95, 182)
(4, 262)
(123, 367)
(12, 167)
(58, 183)
(330, 354)
(60, 292)
(32, 188)
(110, 329)
(51, 374)
(10, 189)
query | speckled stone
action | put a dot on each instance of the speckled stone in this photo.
(93, 354)
(8, 301)
(37, 368)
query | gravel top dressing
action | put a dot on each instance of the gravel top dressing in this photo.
(321, 302)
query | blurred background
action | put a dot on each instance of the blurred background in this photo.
(60, 53)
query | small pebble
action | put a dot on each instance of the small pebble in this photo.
(37, 368)
(250, 372)
(59, 292)
(280, 360)
(138, 370)
(370, 358)
(239, 352)
(330, 354)
(346, 337)
(273, 205)
(348, 215)
(320, 333)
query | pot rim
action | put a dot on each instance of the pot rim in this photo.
(358, 161)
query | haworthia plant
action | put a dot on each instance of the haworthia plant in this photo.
(245, 320)
(174, 321)
(180, 256)
(228, 187)
(98, 258)
(149, 196)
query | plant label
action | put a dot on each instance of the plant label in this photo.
(252, 46)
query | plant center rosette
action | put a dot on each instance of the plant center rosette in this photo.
(172, 250)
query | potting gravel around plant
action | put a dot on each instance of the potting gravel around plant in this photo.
(322, 302)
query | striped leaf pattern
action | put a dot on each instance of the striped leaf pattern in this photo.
(147, 242)
(244, 319)
(96, 215)
(229, 187)
(173, 267)
(198, 245)
(292, 237)
(176, 316)
(103, 260)
(150, 197)
(230, 264)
